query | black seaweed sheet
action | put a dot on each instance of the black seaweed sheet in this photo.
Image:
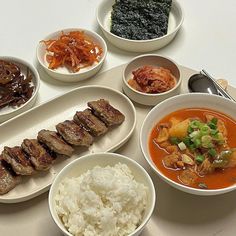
(140, 19)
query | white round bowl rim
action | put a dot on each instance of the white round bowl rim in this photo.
(156, 170)
(151, 94)
(68, 166)
(35, 74)
(96, 35)
(146, 40)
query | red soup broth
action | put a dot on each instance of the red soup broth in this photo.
(216, 180)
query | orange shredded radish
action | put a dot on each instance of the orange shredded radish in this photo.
(74, 50)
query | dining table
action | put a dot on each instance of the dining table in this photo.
(206, 40)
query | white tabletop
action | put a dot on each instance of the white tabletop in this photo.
(206, 40)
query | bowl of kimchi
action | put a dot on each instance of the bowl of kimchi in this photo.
(72, 55)
(189, 141)
(149, 79)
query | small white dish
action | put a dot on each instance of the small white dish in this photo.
(82, 164)
(104, 20)
(152, 60)
(193, 100)
(8, 112)
(62, 73)
(46, 116)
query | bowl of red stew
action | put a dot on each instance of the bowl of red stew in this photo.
(149, 79)
(189, 141)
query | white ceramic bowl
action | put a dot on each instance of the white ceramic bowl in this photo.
(63, 74)
(82, 164)
(153, 60)
(104, 20)
(195, 100)
(8, 112)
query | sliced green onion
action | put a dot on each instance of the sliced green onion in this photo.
(219, 138)
(194, 134)
(205, 129)
(190, 129)
(187, 159)
(214, 120)
(192, 147)
(174, 140)
(212, 152)
(195, 124)
(214, 132)
(182, 146)
(197, 143)
(206, 141)
(212, 125)
(187, 141)
(199, 158)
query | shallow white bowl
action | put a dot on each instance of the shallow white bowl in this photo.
(8, 112)
(104, 20)
(153, 60)
(63, 74)
(82, 164)
(195, 100)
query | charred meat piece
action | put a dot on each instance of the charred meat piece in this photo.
(74, 134)
(8, 179)
(107, 113)
(18, 160)
(54, 142)
(39, 157)
(95, 126)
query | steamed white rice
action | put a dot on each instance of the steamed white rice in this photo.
(103, 201)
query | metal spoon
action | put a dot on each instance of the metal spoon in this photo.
(221, 91)
(204, 83)
(201, 83)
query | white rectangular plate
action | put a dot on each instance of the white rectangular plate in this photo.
(46, 116)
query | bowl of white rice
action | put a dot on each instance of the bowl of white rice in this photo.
(103, 194)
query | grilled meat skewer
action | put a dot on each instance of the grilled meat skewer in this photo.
(18, 160)
(8, 179)
(54, 142)
(107, 113)
(39, 157)
(74, 134)
(95, 126)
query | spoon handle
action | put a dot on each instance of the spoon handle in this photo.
(219, 87)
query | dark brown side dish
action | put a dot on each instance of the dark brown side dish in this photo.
(15, 88)
(39, 154)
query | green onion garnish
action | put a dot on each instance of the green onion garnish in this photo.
(187, 141)
(212, 152)
(197, 143)
(205, 129)
(190, 129)
(174, 140)
(214, 132)
(182, 146)
(214, 120)
(200, 158)
(195, 124)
